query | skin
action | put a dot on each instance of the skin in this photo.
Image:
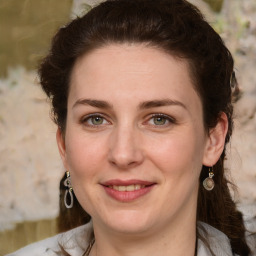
(119, 84)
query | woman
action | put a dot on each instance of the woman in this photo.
(141, 92)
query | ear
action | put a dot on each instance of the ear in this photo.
(62, 147)
(216, 141)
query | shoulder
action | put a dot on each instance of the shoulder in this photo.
(211, 237)
(73, 242)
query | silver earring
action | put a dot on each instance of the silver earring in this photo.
(208, 183)
(69, 190)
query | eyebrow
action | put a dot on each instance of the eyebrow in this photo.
(160, 103)
(94, 103)
(143, 105)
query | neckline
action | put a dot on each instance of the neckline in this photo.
(89, 248)
(90, 245)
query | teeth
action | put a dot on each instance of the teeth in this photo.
(127, 188)
(137, 187)
(121, 188)
(130, 188)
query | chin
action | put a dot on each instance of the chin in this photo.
(130, 222)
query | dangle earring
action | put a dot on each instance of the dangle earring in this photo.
(69, 190)
(208, 183)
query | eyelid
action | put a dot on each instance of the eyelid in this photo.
(162, 115)
(85, 118)
(170, 119)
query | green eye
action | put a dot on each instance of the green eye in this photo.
(97, 120)
(159, 120)
(94, 120)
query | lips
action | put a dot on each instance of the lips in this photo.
(128, 190)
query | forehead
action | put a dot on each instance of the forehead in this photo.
(131, 69)
(130, 52)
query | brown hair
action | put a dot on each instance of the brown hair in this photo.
(178, 28)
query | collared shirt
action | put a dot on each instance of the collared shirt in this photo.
(75, 242)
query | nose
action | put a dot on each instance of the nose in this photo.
(125, 149)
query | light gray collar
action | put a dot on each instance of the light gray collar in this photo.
(215, 239)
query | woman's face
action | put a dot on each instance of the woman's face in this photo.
(135, 140)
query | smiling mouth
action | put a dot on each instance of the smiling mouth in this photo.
(127, 191)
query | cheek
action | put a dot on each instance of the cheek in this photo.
(85, 159)
(178, 155)
(180, 162)
(84, 154)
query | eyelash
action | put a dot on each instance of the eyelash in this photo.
(85, 119)
(170, 120)
(167, 118)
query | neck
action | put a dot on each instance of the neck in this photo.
(177, 239)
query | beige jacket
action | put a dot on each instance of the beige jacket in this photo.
(73, 242)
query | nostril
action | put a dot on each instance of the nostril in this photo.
(123, 164)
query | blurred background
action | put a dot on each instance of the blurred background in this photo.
(30, 166)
